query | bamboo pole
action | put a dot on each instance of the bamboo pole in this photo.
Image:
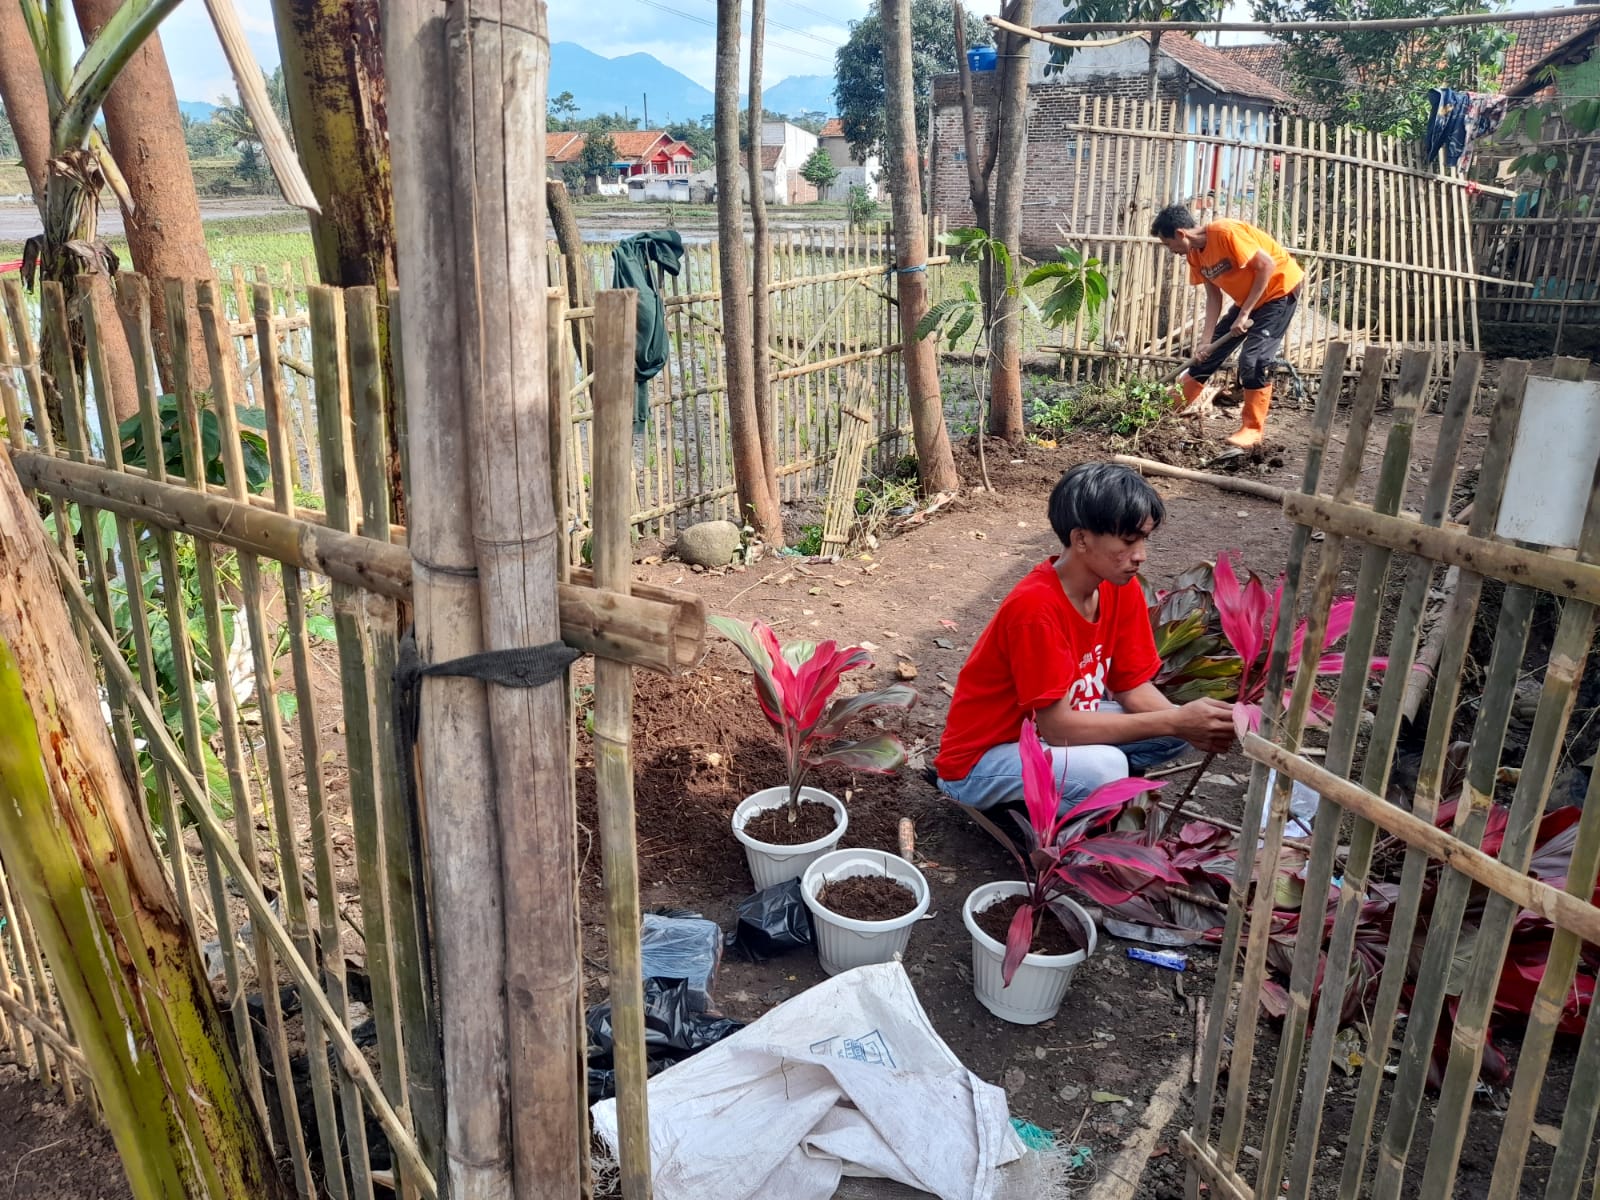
(1221, 1005)
(1228, 483)
(497, 72)
(457, 763)
(1359, 644)
(1425, 802)
(613, 716)
(34, 1048)
(279, 450)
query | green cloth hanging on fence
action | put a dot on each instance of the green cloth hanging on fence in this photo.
(630, 268)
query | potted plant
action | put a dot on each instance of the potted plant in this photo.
(863, 904)
(1028, 937)
(785, 828)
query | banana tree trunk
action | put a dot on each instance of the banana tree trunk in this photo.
(78, 849)
(333, 76)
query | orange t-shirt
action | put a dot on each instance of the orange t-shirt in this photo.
(1037, 649)
(1230, 245)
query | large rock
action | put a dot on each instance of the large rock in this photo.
(709, 544)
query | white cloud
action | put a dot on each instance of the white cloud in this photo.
(199, 70)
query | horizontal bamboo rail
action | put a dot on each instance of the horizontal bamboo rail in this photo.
(1561, 909)
(656, 628)
(36, 1025)
(1483, 556)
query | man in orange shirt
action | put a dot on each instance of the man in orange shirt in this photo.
(1247, 264)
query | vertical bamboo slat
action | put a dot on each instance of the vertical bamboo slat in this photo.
(357, 633)
(613, 720)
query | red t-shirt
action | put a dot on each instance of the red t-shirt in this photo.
(1037, 649)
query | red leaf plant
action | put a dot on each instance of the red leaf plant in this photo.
(796, 684)
(1249, 616)
(1068, 850)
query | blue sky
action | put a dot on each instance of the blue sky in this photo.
(802, 35)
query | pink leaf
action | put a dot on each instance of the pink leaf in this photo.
(1040, 792)
(1239, 611)
(1113, 795)
(1019, 940)
(1246, 719)
(1097, 887)
(1119, 851)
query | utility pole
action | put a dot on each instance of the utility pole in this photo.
(647, 110)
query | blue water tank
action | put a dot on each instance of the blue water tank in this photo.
(981, 58)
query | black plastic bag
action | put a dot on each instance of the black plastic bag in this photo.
(773, 921)
(673, 1030)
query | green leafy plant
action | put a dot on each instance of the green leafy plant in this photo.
(859, 207)
(1078, 284)
(810, 540)
(252, 442)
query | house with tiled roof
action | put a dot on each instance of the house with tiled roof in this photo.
(1218, 98)
(851, 173)
(1550, 43)
(641, 154)
(1269, 61)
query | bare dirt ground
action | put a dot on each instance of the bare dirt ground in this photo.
(701, 746)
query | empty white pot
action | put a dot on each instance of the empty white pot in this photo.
(1041, 980)
(770, 864)
(844, 942)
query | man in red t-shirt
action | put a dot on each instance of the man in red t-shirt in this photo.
(1071, 646)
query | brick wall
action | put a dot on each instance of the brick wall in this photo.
(1066, 191)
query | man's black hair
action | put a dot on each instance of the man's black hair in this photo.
(1104, 498)
(1171, 219)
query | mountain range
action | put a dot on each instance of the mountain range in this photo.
(636, 82)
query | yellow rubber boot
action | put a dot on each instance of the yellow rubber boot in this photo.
(1252, 417)
(1191, 390)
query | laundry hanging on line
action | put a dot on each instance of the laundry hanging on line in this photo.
(1457, 120)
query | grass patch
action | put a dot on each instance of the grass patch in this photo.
(270, 240)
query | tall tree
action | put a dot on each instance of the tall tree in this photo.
(165, 237)
(1011, 164)
(757, 503)
(936, 468)
(1136, 10)
(79, 850)
(334, 83)
(859, 78)
(761, 255)
(1380, 80)
(79, 162)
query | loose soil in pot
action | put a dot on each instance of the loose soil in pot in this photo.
(811, 821)
(1050, 936)
(867, 898)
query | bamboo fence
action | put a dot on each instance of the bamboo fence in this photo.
(1548, 258)
(1383, 237)
(1395, 1143)
(832, 316)
(250, 696)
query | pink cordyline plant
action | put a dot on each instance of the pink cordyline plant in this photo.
(1249, 615)
(1061, 853)
(795, 685)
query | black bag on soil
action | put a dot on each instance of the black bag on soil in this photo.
(773, 921)
(673, 1030)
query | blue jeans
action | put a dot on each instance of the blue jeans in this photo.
(996, 778)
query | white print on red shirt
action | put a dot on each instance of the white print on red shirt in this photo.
(1086, 692)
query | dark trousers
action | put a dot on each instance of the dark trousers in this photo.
(1257, 348)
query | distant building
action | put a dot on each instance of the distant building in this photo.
(1224, 101)
(851, 173)
(643, 155)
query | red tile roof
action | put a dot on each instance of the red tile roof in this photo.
(1269, 61)
(1537, 43)
(834, 128)
(638, 143)
(1221, 70)
(563, 147)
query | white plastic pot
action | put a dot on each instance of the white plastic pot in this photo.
(770, 864)
(844, 942)
(1041, 980)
